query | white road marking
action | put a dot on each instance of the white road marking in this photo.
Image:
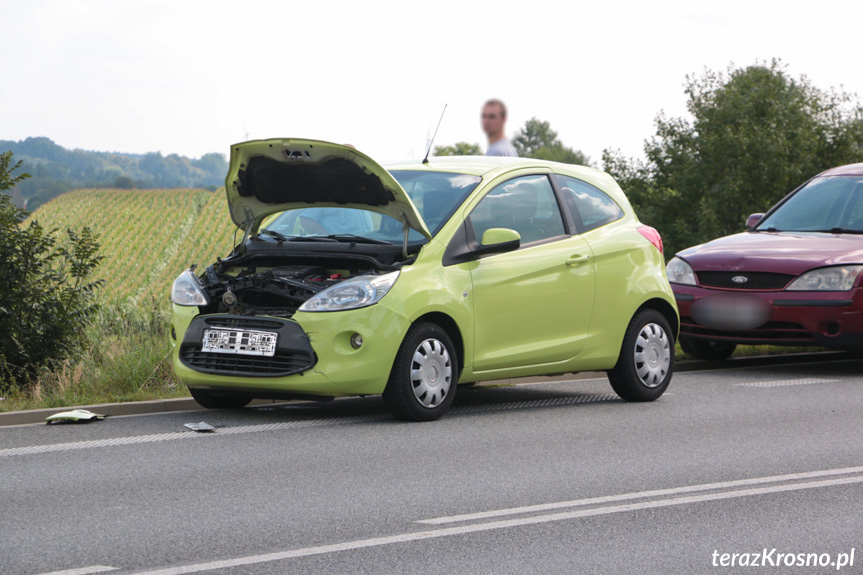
(282, 425)
(786, 382)
(638, 495)
(491, 526)
(82, 570)
(131, 440)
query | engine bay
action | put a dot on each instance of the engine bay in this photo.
(276, 291)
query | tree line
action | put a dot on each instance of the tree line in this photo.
(55, 170)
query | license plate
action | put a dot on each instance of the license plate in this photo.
(731, 312)
(240, 341)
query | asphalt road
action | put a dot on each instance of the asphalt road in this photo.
(541, 478)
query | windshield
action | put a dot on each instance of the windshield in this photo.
(436, 196)
(828, 204)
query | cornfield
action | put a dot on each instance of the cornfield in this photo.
(148, 236)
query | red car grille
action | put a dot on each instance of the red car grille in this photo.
(754, 280)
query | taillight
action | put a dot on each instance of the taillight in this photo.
(652, 236)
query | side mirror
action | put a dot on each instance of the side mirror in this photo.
(498, 241)
(753, 220)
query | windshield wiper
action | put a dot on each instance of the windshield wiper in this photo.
(360, 239)
(273, 234)
(283, 238)
(840, 231)
(332, 238)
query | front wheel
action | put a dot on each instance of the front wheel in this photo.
(424, 376)
(646, 360)
(706, 349)
(210, 401)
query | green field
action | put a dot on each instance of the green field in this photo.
(148, 236)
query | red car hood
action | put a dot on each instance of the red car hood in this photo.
(781, 252)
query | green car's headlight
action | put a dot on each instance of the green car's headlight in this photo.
(187, 291)
(360, 291)
(680, 272)
(837, 278)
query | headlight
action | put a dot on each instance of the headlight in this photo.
(360, 291)
(680, 272)
(187, 290)
(839, 278)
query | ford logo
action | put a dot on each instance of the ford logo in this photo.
(740, 279)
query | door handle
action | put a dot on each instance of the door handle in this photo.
(577, 260)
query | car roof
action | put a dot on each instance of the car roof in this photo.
(481, 165)
(849, 170)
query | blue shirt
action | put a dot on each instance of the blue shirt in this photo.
(502, 148)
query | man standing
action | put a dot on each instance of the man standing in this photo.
(493, 123)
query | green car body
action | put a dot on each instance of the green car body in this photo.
(558, 305)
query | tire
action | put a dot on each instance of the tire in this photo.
(646, 361)
(423, 380)
(210, 401)
(705, 349)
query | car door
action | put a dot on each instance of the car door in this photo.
(531, 306)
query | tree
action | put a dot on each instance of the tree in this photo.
(537, 140)
(754, 134)
(47, 296)
(7, 179)
(458, 149)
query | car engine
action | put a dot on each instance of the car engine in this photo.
(276, 292)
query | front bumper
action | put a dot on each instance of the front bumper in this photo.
(828, 319)
(316, 357)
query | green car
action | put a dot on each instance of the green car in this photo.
(352, 279)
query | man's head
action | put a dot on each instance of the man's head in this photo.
(493, 119)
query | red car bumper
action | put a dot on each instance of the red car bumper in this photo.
(828, 319)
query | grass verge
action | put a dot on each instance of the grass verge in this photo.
(126, 358)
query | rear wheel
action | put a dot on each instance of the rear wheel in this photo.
(423, 379)
(646, 360)
(705, 349)
(210, 401)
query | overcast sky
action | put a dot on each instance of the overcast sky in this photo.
(192, 77)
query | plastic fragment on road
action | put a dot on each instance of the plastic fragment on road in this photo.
(200, 427)
(74, 416)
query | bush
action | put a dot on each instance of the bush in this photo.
(47, 295)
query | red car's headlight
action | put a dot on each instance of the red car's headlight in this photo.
(835, 278)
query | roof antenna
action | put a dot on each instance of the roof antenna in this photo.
(426, 159)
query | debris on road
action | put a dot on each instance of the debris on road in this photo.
(200, 427)
(74, 416)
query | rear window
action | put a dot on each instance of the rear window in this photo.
(590, 206)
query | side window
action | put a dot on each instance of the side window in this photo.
(525, 204)
(590, 205)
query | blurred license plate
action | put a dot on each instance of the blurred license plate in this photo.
(240, 341)
(731, 312)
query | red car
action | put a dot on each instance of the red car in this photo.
(793, 278)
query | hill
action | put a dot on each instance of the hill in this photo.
(148, 237)
(56, 170)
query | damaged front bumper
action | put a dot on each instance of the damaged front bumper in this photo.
(292, 354)
(313, 357)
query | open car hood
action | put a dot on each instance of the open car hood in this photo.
(270, 176)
